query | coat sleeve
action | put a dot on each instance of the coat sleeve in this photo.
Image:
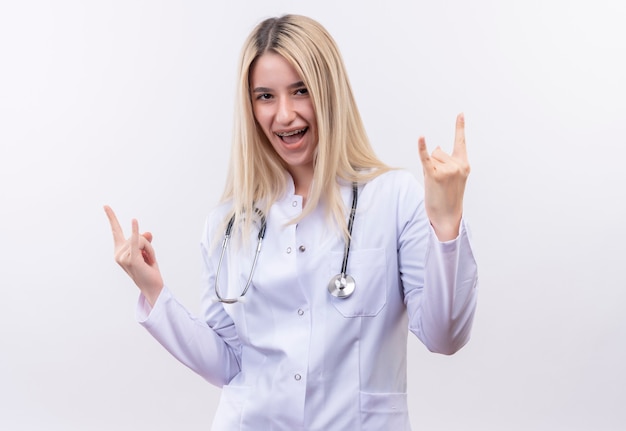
(439, 279)
(209, 346)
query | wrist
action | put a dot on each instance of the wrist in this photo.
(152, 293)
(446, 231)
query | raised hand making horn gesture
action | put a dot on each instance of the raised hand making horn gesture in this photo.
(136, 256)
(444, 183)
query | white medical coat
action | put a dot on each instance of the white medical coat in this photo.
(293, 357)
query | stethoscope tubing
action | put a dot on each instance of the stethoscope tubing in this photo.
(225, 242)
(346, 252)
(337, 285)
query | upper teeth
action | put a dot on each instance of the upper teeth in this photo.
(294, 132)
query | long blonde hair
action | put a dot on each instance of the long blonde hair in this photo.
(257, 174)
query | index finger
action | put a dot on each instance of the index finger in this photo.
(460, 149)
(423, 152)
(118, 234)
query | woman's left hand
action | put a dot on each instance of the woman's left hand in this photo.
(444, 183)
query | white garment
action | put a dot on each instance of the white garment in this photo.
(292, 357)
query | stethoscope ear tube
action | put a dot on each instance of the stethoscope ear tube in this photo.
(227, 234)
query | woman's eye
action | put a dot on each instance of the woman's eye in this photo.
(263, 96)
(302, 91)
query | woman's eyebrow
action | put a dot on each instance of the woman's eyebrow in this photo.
(297, 84)
(269, 90)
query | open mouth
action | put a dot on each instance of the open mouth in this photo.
(293, 136)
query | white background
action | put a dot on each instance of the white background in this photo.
(129, 103)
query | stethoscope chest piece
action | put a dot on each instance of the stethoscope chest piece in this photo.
(341, 286)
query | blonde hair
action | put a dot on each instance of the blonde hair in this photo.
(257, 174)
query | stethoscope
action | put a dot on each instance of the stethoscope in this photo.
(340, 286)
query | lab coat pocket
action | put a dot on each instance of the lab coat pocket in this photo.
(229, 412)
(369, 271)
(384, 411)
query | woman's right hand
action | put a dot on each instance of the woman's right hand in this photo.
(136, 256)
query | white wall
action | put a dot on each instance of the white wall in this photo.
(129, 103)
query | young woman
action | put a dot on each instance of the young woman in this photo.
(309, 331)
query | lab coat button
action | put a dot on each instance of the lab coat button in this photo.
(300, 312)
(298, 377)
(302, 249)
(294, 204)
(288, 250)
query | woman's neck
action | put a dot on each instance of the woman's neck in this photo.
(302, 180)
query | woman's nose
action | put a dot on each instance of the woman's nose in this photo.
(286, 113)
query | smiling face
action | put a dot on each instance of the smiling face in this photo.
(284, 110)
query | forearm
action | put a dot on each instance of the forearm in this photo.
(448, 299)
(189, 339)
